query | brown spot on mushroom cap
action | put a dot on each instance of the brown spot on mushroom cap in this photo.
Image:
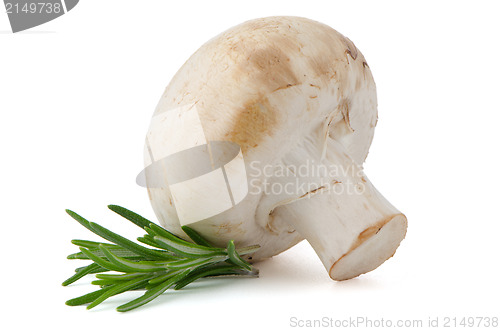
(271, 67)
(265, 70)
(252, 123)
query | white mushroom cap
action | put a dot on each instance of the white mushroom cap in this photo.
(292, 93)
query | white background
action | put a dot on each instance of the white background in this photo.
(76, 97)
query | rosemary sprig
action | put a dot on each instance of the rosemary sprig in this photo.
(171, 262)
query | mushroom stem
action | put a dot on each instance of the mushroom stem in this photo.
(350, 225)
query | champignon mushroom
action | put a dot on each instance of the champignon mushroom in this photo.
(298, 101)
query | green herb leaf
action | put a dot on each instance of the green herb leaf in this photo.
(131, 216)
(80, 273)
(152, 293)
(87, 298)
(91, 244)
(186, 250)
(119, 288)
(195, 236)
(125, 243)
(235, 258)
(118, 277)
(130, 266)
(217, 270)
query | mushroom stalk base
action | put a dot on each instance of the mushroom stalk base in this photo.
(350, 225)
(372, 252)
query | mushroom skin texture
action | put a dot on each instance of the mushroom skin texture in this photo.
(292, 93)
